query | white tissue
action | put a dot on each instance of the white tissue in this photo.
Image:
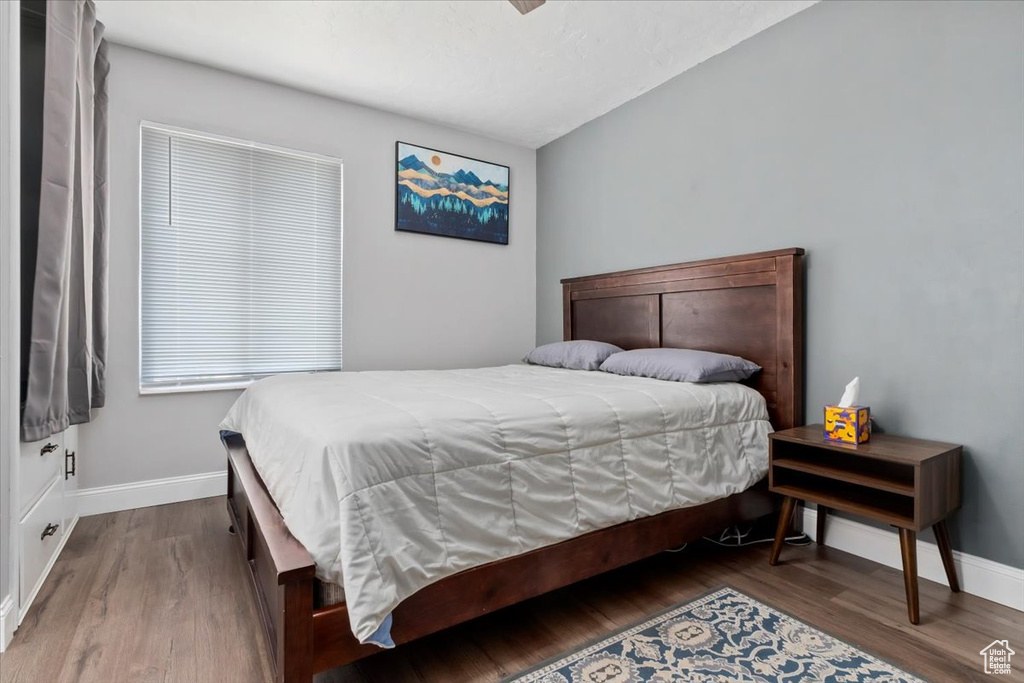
(851, 394)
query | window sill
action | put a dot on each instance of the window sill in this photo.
(195, 388)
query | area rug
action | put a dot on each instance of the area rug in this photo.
(723, 635)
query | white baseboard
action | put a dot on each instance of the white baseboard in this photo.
(141, 494)
(7, 622)
(978, 576)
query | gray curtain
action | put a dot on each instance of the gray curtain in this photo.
(69, 309)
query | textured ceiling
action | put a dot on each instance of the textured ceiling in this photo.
(476, 65)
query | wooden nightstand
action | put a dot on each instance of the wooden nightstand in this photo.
(908, 483)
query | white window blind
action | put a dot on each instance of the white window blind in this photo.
(240, 261)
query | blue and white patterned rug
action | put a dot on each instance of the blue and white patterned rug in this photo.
(723, 635)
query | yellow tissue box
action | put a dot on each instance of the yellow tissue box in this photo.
(849, 425)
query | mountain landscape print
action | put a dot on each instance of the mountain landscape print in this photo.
(446, 194)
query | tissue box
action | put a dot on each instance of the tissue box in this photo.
(849, 425)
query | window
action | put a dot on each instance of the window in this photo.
(240, 261)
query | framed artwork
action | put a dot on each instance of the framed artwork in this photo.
(438, 193)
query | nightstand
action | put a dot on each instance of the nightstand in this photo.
(908, 483)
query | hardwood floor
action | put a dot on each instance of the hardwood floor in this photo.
(157, 595)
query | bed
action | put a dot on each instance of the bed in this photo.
(414, 554)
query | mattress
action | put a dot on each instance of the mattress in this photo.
(326, 593)
(394, 480)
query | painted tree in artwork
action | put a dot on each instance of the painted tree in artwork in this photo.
(415, 203)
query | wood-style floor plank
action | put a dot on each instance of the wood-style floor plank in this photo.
(158, 594)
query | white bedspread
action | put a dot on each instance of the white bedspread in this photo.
(393, 480)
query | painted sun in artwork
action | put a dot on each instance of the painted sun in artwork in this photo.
(435, 160)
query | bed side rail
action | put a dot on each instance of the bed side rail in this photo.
(280, 569)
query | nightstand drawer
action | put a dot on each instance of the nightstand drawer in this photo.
(40, 462)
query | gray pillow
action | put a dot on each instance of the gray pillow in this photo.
(572, 355)
(680, 365)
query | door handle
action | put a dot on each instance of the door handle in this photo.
(48, 448)
(50, 530)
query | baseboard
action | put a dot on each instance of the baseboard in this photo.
(141, 494)
(27, 602)
(7, 622)
(978, 576)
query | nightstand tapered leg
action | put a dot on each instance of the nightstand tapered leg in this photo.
(946, 552)
(908, 545)
(785, 515)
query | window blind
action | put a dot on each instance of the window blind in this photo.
(240, 261)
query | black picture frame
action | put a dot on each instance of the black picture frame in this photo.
(464, 216)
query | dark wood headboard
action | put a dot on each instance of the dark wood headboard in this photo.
(749, 305)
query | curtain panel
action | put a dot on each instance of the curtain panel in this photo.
(67, 353)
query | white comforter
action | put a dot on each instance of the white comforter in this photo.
(393, 480)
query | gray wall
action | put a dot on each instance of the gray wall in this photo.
(411, 301)
(888, 140)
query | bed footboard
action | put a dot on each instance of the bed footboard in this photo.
(280, 569)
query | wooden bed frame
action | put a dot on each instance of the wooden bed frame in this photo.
(749, 305)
